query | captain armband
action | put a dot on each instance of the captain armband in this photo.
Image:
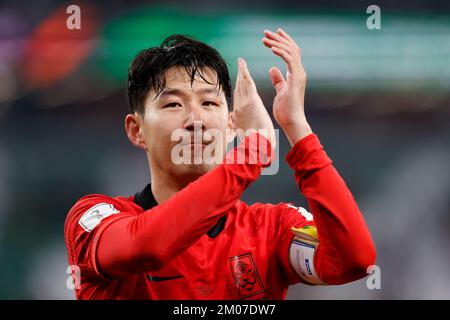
(302, 252)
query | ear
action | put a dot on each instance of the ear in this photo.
(134, 128)
(231, 134)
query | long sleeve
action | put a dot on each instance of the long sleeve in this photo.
(346, 248)
(125, 243)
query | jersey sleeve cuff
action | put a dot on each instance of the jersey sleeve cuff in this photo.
(255, 149)
(308, 154)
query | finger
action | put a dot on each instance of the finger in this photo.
(286, 57)
(231, 121)
(238, 76)
(239, 73)
(239, 90)
(271, 43)
(246, 76)
(277, 78)
(286, 36)
(244, 69)
(277, 37)
(287, 52)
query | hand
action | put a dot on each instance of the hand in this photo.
(249, 111)
(289, 102)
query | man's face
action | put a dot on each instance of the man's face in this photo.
(198, 108)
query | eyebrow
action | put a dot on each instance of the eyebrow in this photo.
(178, 92)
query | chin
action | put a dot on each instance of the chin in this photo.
(193, 171)
(200, 168)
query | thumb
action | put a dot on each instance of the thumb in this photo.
(231, 120)
(277, 78)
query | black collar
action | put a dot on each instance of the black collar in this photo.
(145, 198)
(146, 201)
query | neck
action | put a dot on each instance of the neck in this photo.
(164, 186)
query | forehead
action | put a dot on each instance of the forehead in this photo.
(178, 78)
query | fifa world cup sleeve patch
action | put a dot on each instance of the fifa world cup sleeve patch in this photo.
(302, 251)
(92, 217)
(307, 215)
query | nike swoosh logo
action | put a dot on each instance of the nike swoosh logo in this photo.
(156, 279)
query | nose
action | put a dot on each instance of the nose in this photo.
(195, 120)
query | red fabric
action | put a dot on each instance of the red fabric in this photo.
(346, 248)
(123, 256)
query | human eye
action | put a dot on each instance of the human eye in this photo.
(172, 105)
(209, 103)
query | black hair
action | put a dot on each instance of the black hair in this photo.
(147, 70)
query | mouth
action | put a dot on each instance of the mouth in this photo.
(195, 142)
(197, 145)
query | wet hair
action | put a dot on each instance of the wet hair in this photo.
(147, 70)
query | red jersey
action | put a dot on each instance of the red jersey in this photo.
(204, 243)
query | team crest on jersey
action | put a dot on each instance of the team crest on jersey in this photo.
(245, 275)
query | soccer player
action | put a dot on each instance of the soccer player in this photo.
(187, 234)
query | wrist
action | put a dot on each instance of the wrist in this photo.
(297, 131)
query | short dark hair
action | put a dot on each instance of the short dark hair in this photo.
(147, 69)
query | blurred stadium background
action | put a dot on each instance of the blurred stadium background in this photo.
(378, 99)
